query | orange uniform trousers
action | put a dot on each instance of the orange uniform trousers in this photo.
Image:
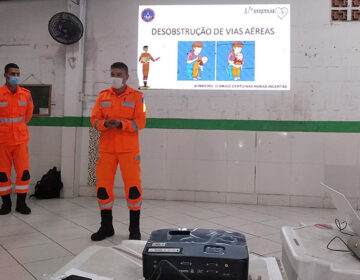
(18, 154)
(130, 171)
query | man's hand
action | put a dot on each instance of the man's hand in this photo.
(113, 124)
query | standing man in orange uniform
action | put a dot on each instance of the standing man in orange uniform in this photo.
(16, 109)
(119, 113)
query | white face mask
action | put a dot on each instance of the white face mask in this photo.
(117, 82)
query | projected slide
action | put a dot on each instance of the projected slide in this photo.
(220, 47)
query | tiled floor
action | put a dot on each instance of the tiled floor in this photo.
(57, 230)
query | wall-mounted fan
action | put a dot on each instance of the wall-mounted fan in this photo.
(66, 28)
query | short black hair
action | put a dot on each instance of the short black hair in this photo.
(145, 47)
(120, 65)
(10, 65)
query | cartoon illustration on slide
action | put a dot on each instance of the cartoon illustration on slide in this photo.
(193, 60)
(235, 61)
(145, 58)
(191, 63)
(198, 65)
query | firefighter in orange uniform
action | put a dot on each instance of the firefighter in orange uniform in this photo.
(16, 109)
(119, 114)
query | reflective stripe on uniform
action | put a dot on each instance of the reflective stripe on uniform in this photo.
(25, 187)
(4, 189)
(6, 120)
(128, 104)
(107, 205)
(105, 104)
(22, 103)
(134, 205)
(3, 104)
(95, 124)
(134, 125)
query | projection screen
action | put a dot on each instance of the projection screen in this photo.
(214, 47)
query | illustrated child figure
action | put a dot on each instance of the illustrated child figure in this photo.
(236, 60)
(145, 58)
(199, 66)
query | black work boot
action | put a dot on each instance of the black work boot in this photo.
(106, 229)
(6, 206)
(134, 227)
(21, 206)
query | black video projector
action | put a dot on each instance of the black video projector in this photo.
(198, 253)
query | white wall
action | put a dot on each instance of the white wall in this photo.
(25, 40)
(324, 73)
(271, 167)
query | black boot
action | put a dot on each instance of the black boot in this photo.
(106, 229)
(6, 206)
(134, 227)
(21, 206)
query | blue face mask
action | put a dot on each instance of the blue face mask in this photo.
(14, 81)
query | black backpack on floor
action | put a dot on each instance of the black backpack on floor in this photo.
(49, 186)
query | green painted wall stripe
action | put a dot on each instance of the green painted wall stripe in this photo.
(208, 124)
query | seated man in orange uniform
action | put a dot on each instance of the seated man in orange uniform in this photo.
(119, 113)
(16, 109)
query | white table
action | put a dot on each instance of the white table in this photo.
(124, 261)
(305, 256)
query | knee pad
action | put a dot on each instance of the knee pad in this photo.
(3, 177)
(25, 175)
(134, 193)
(102, 193)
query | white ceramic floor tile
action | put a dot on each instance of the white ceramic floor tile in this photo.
(256, 217)
(274, 237)
(91, 219)
(17, 229)
(6, 260)
(15, 272)
(58, 234)
(56, 205)
(56, 222)
(35, 218)
(230, 221)
(77, 245)
(262, 246)
(158, 212)
(275, 254)
(26, 240)
(279, 223)
(177, 219)
(38, 253)
(231, 210)
(42, 269)
(257, 229)
(69, 213)
(6, 220)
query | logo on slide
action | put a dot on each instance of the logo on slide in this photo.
(147, 15)
(281, 12)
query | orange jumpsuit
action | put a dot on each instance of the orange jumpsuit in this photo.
(15, 111)
(119, 145)
(145, 60)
